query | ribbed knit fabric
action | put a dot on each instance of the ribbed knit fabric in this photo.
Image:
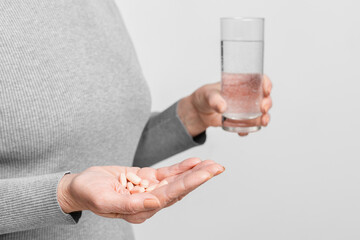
(72, 96)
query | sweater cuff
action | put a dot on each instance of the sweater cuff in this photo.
(195, 141)
(174, 132)
(164, 135)
(28, 203)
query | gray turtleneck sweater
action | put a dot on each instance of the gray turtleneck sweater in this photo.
(72, 96)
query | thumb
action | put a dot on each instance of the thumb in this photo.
(131, 204)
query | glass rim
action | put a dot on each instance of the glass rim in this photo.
(243, 18)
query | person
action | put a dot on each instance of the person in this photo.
(75, 112)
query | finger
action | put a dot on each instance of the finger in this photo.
(266, 104)
(267, 86)
(139, 217)
(132, 218)
(177, 190)
(243, 134)
(178, 168)
(265, 119)
(174, 191)
(216, 101)
(111, 215)
(126, 204)
(203, 164)
(196, 168)
(244, 123)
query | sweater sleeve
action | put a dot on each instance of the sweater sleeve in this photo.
(163, 136)
(31, 202)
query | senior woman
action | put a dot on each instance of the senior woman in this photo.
(72, 97)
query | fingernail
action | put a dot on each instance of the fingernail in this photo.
(220, 171)
(151, 203)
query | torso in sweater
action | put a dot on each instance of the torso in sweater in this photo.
(72, 96)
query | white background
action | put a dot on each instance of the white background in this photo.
(299, 178)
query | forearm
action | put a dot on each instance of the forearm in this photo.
(164, 135)
(28, 203)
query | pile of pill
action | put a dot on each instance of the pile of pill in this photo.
(134, 184)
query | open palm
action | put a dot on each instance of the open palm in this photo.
(98, 189)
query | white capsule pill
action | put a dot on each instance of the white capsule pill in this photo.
(130, 186)
(137, 189)
(151, 187)
(132, 177)
(144, 183)
(123, 180)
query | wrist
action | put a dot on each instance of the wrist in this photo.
(189, 116)
(64, 197)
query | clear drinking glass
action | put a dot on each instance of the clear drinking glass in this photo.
(242, 53)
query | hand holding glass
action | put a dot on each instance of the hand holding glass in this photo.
(242, 48)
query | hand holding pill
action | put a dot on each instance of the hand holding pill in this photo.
(132, 193)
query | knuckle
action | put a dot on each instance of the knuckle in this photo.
(172, 196)
(129, 207)
(181, 197)
(204, 176)
(170, 202)
(182, 187)
(190, 161)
